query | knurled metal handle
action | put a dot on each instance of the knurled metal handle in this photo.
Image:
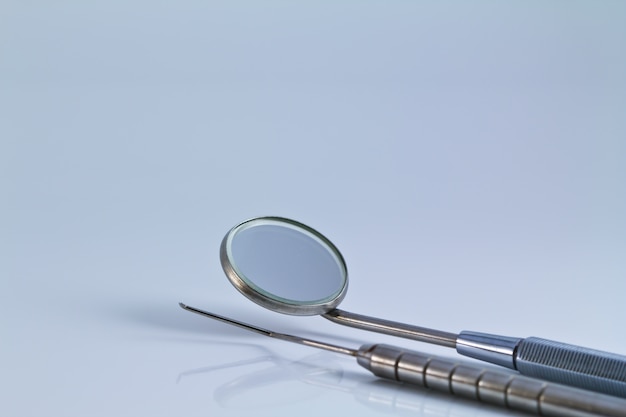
(572, 365)
(504, 389)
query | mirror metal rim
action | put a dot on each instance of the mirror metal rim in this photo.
(278, 304)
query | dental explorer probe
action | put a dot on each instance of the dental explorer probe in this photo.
(508, 390)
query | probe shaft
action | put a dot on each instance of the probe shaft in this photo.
(269, 333)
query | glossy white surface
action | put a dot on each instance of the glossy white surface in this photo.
(468, 159)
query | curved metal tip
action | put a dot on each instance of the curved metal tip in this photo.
(269, 333)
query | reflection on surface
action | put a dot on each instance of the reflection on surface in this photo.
(284, 382)
(297, 381)
(257, 389)
(409, 400)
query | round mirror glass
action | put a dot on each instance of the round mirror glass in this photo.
(284, 265)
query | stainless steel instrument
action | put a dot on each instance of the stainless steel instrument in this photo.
(288, 267)
(441, 374)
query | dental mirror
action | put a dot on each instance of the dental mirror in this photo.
(288, 267)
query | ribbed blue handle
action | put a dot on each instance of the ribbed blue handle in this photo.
(572, 365)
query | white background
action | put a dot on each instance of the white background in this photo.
(468, 158)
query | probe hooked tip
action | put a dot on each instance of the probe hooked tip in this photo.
(269, 333)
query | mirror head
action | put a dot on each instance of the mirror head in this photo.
(284, 265)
